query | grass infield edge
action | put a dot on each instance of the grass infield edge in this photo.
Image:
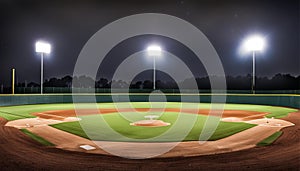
(270, 140)
(37, 138)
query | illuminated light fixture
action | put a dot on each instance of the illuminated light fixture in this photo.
(154, 51)
(42, 47)
(254, 43)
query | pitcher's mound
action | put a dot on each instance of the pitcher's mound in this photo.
(150, 123)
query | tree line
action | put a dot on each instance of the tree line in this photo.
(277, 82)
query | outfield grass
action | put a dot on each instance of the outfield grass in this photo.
(11, 116)
(24, 111)
(37, 138)
(269, 140)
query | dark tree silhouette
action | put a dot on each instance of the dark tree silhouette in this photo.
(277, 82)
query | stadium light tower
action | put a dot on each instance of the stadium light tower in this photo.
(254, 43)
(154, 51)
(42, 47)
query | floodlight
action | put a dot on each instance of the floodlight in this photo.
(42, 47)
(154, 50)
(255, 43)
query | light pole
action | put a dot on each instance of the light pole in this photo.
(154, 51)
(254, 43)
(42, 47)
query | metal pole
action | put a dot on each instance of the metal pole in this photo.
(253, 74)
(13, 82)
(154, 73)
(42, 68)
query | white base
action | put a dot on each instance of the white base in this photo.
(87, 147)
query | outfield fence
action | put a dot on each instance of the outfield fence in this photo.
(287, 100)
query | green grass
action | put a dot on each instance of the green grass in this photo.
(24, 111)
(98, 131)
(274, 111)
(269, 140)
(10, 116)
(37, 138)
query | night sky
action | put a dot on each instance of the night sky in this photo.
(68, 25)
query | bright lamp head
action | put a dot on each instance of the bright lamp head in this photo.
(255, 43)
(42, 47)
(154, 50)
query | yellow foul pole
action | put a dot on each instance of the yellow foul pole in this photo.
(13, 81)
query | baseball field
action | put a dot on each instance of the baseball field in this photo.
(253, 136)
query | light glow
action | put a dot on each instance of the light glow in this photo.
(255, 43)
(154, 50)
(42, 47)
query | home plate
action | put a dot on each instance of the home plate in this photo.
(87, 147)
